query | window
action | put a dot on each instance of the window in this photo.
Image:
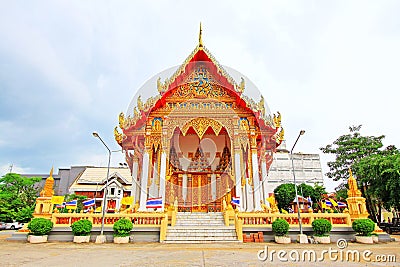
(112, 191)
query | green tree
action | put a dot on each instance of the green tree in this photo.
(350, 149)
(24, 215)
(285, 193)
(341, 192)
(381, 174)
(16, 194)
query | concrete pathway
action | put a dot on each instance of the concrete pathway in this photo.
(14, 253)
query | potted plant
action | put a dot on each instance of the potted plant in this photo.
(39, 228)
(122, 229)
(281, 228)
(81, 230)
(322, 228)
(364, 229)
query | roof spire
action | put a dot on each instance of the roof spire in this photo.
(200, 39)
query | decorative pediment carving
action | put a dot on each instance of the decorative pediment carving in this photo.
(200, 126)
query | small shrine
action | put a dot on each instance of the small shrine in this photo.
(44, 205)
(355, 202)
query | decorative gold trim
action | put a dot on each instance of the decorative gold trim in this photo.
(200, 125)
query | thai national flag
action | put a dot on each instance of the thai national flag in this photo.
(328, 203)
(235, 201)
(341, 204)
(60, 206)
(71, 204)
(154, 203)
(89, 202)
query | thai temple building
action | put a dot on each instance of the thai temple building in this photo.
(198, 133)
(203, 155)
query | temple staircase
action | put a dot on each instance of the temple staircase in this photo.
(200, 227)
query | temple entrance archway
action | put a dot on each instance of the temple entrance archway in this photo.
(200, 176)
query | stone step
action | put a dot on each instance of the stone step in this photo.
(198, 224)
(200, 217)
(200, 228)
(199, 241)
(201, 238)
(201, 235)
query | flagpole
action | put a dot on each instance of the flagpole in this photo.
(297, 196)
(102, 238)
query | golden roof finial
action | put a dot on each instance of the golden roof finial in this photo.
(200, 38)
(48, 186)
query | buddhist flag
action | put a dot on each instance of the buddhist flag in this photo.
(284, 211)
(57, 200)
(72, 204)
(235, 201)
(127, 200)
(271, 199)
(333, 202)
(323, 205)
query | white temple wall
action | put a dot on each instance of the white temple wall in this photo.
(307, 170)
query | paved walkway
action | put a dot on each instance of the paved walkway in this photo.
(14, 253)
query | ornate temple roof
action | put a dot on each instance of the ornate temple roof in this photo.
(151, 95)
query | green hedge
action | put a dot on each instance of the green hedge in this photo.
(322, 227)
(122, 227)
(280, 227)
(40, 226)
(363, 227)
(82, 227)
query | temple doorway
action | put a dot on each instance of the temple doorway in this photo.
(200, 175)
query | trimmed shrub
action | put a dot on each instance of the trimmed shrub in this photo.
(81, 227)
(363, 227)
(280, 227)
(40, 226)
(122, 227)
(322, 227)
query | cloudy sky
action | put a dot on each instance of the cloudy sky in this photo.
(68, 68)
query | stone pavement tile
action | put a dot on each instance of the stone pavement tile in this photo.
(155, 254)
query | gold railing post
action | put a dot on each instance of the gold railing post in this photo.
(226, 218)
(53, 219)
(173, 217)
(238, 227)
(163, 228)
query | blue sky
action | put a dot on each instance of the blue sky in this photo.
(68, 68)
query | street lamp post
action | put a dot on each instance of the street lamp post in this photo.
(301, 237)
(101, 238)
